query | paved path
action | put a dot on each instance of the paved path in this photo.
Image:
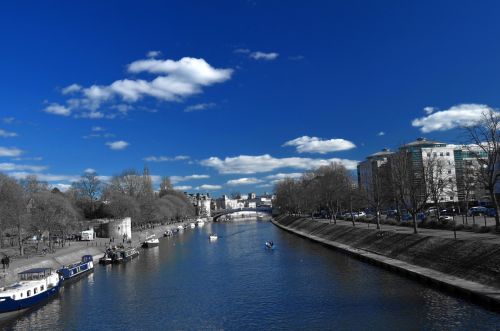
(462, 235)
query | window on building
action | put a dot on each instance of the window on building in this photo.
(428, 154)
(447, 153)
(449, 172)
(451, 198)
(35, 290)
(434, 154)
(14, 297)
(441, 154)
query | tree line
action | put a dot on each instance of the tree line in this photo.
(407, 179)
(30, 207)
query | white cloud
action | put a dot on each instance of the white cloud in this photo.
(457, 116)
(241, 51)
(200, 106)
(98, 129)
(263, 56)
(89, 170)
(93, 114)
(45, 177)
(166, 158)
(208, 187)
(20, 167)
(246, 164)
(244, 181)
(381, 133)
(29, 158)
(177, 179)
(306, 144)
(264, 185)
(7, 134)
(117, 145)
(153, 54)
(71, 89)
(429, 110)
(10, 152)
(297, 57)
(182, 187)
(281, 176)
(8, 120)
(174, 81)
(57, 109)
(62, 187)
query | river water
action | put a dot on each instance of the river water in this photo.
(235, 283)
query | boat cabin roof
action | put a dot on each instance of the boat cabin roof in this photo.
(35, 273)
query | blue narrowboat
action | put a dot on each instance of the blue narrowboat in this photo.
(77, 269)
(35, 286)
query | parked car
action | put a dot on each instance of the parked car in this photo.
(446, 218)
(491, 212)
(476, 211)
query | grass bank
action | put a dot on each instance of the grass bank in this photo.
(469, 267)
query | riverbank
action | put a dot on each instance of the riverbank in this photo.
(73, 252)
(470, 267)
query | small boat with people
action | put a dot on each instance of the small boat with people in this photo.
(168, 233)
(213, 237)
(35, 286)
(77, 269)
(151, 241)
(180, 228)
(200, 223)
(269, 244)
(192, 225)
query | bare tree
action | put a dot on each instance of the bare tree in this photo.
(376, 193)
(88, 191)
(485, 148)
(12, 208)
(409, 182)
(438, 181)
(165, 186)
(32, 185)
(331, 186)
(51, 211)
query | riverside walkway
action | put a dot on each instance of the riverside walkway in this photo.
(491, 238)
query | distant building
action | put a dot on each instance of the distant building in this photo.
(251, 196)
(202, 203)
(116, 228)
(377, 163)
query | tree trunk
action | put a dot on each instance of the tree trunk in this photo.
(495, 205)
(377, 218)
(414, 216)
(20, 239)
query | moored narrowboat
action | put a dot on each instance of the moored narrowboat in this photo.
(77, 269)
(125, 255)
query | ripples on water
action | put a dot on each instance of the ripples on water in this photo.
(235, 283)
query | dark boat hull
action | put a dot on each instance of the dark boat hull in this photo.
(9, 306)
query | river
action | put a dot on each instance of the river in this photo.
(235, 283)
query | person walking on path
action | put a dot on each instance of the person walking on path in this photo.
(7, 261)
(3, 263)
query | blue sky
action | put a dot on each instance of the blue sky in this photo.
(231, 95)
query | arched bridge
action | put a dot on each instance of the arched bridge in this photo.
(218, 213)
